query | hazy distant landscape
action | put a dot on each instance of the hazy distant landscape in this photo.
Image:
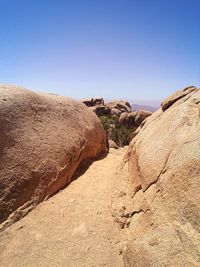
(150, 108)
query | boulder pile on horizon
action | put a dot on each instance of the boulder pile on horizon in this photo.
(118, 119)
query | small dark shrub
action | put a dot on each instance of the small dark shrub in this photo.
(116, 132)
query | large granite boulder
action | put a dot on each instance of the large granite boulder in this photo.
(43, 139)
(164, 164)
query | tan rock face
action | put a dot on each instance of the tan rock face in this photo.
(112, 144)
(133, 119)
(43, 139)
(141, 116)
(164, 161)
(115, 112)
(176, 96)
(128, 119)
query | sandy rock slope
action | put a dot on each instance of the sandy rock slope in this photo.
(79, 226)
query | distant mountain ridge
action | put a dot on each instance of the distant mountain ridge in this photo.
(145, 107)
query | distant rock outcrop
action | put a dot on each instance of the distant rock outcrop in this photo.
(164, 163)
(141, 115)
(117, 118)
(93, 102)
(43, 139)
(128, 119)
(121, 105)
(101, 110)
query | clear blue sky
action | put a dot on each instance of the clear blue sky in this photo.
(134, 49)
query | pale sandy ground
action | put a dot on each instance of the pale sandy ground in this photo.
(75, 227)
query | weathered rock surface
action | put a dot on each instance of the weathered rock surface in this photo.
(114, 108)
(133, 119)
(164, 162)
(176, 96)
(115, 112)
(123, 106)
(128, 119)
(43, 139)
(101, 110)
(141, 115)
(112, 144)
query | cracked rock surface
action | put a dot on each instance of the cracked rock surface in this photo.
(164, 163)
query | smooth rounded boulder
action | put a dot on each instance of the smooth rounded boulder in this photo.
(43, 140)
(164, 165)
